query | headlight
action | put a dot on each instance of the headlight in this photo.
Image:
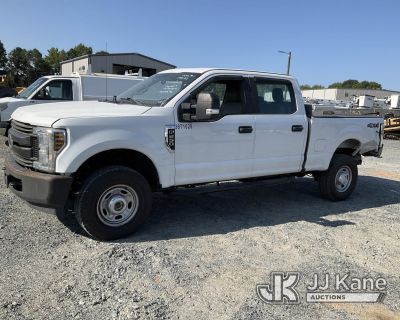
(50, 144)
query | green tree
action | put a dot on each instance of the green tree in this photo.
(355, 84)
(317, 86)
(335, 85)
(79, 50)
(53, 59)
(370, 85)
(350, 84)
(102, 52)
(38, 66)
(3, 56)
(18, 67)
(308, 87)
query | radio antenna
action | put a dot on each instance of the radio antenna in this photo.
(106, 72)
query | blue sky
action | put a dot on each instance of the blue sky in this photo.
(330, 40)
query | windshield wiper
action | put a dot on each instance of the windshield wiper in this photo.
(132, 101)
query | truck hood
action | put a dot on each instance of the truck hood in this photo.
(7, 100)
(46, 114)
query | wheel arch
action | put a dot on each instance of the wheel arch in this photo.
(133, 159)
(348, 147)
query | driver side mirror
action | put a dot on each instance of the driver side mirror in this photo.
(205, 108)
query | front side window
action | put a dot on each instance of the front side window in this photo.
(229, 94)
(157, 90)
(275, 97)
(56, 90)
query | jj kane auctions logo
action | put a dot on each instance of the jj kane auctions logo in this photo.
(325, 288)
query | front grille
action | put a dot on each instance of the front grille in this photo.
(35, 147)
(24, 145)
(22, 127)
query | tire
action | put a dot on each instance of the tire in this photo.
(338, 182)
(113, 203)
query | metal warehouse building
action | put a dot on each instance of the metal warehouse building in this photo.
(345, 94)
(115, 63)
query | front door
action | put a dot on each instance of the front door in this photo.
(222, 148)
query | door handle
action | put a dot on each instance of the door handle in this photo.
(245, 129)
(297, 128)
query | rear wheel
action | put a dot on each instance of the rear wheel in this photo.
(113, 203)
(338, 182)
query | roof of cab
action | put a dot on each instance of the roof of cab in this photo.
(222, 70)
(102, 75)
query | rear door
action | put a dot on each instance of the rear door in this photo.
(222, 148)
(281, 128)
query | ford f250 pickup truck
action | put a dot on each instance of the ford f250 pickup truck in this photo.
(181, 127)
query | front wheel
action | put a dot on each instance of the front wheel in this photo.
(113, 203)
(338, 182)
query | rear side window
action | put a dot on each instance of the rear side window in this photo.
(275, 97)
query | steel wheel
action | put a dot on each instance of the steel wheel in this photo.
(117, 205)
(343, 179)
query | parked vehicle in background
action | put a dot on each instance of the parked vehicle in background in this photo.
(76, 87)
(180, 128)
(7, 92)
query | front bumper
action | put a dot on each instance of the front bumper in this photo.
(4, 125)
(39, 189)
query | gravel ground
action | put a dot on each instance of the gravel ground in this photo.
(201, 255)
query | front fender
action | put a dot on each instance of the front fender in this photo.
(86, 142)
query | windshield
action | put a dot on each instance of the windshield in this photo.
(157, 90)
(32, 88)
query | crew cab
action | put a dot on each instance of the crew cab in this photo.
(61, 88)
(179, 128)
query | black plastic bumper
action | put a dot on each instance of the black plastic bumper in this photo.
(39, 189)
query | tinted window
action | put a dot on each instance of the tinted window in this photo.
(56, 90)
(275, 97)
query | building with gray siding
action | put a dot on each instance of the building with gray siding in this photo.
(114, 63)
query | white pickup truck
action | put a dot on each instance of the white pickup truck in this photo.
(179, 128)
(61, 88)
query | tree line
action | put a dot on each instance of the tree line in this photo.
(23, 66)
(347, 84)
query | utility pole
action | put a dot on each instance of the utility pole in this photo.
(289, 54)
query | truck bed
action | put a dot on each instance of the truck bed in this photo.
(332, 111)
